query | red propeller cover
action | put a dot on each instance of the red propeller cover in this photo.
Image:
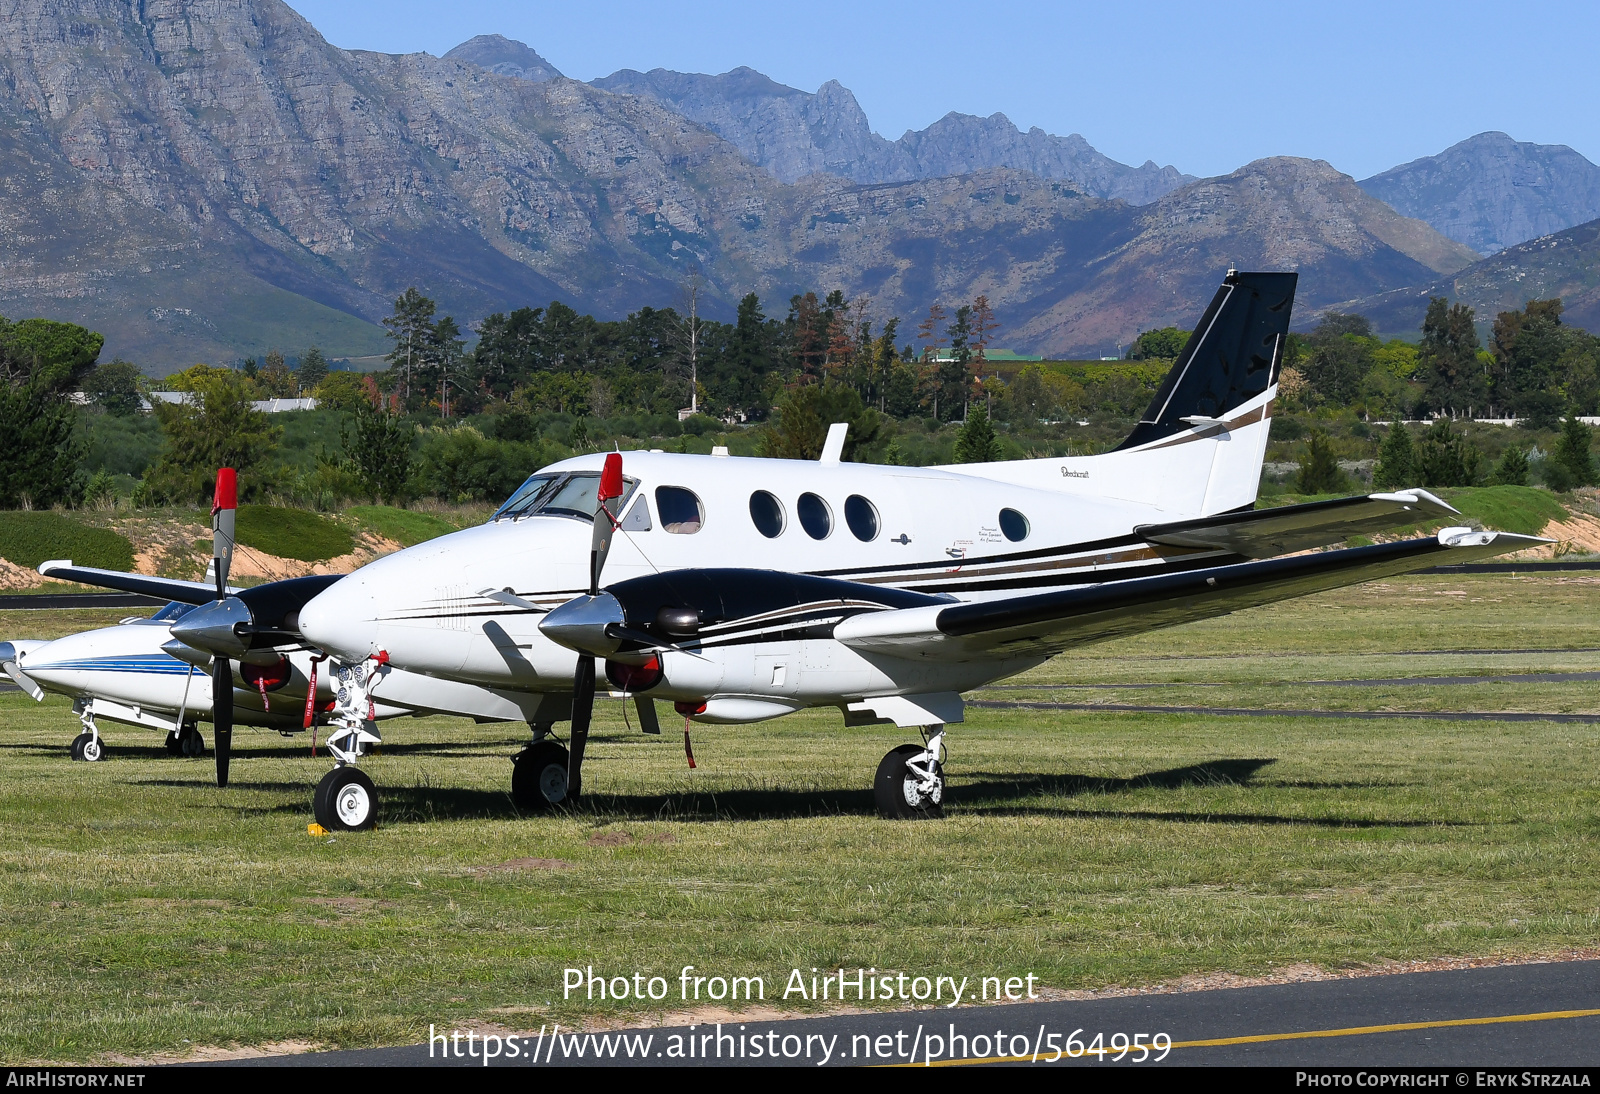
(227, 496)
(267, 677)
(611, 477)
(635, 678)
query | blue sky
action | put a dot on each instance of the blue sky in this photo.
(1206, 87)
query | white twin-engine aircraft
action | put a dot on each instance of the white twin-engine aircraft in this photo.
(746, 589)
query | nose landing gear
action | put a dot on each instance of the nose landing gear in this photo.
(88, 746)
(346, 799)
(910, 780)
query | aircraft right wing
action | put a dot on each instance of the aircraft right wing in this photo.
(186, 592)
(1264, 533)
(1048, 623)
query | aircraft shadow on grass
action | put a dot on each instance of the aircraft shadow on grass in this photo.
(993, 793)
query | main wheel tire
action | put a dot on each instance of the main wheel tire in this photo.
(174, 744)
(93, 748)
(190, 743)
(539, 779)
(896, 790)
(345, 801)
(77, 745)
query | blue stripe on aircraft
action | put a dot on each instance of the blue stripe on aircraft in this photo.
(161, 665)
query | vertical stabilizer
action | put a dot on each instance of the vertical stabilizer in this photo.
(1232, 357)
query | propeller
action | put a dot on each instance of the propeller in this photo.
(224, 509)
(605, 526)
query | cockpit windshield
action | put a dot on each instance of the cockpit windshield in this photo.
(173, 612)
(570, 494)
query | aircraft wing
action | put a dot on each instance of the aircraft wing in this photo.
(1265, 533)
(186, 592)
(1047, 623)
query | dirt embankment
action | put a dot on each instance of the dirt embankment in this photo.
(1579, 534)
(182, 549)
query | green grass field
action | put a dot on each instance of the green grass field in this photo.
(147, 912)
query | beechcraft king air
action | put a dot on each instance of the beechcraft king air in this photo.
(745, 589)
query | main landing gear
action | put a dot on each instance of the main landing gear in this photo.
(346, 799)
(539, 780)
(910, 780)
(87, 745)
(186, 742)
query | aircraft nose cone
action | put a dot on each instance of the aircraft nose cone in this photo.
(580, 624)
(211, 627)
(340, 620)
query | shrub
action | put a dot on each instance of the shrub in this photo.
(463, 465)
(1319, 469)
(28, 539)
(292, 533)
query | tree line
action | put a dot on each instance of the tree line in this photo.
(1535, 367)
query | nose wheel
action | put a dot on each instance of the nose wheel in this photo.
(345, 801)
(88, 747)
(909, 784)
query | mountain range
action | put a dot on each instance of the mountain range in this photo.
(203, 179)
(1491, 192)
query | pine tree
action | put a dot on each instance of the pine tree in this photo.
(379, 450)
(1319, 469)
(1447, 458)
(977, 442)
(1397, 460)
(1572, 451)
(312, 371)
(410, 326)
(1512, 470)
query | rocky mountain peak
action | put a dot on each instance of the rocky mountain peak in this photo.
(1491, 191)
(504, 56)
(792, 133)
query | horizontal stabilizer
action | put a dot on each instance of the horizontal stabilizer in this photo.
(1266, 533)
(185, 592)
(1047, 623)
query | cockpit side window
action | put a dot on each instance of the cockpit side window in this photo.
(680, 510)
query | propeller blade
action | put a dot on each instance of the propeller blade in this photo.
(582, 711)
(605, 521)
(223, 512)
(222, 714)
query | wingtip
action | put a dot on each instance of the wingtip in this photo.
(46, 567)
(1414, 495)
(1473, 537)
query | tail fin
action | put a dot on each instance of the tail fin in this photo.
(1232, 356)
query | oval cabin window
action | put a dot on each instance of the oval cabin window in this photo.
(815, 516)
(766, 513)
(680, 510)
(862, 517)
(1013, 525)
